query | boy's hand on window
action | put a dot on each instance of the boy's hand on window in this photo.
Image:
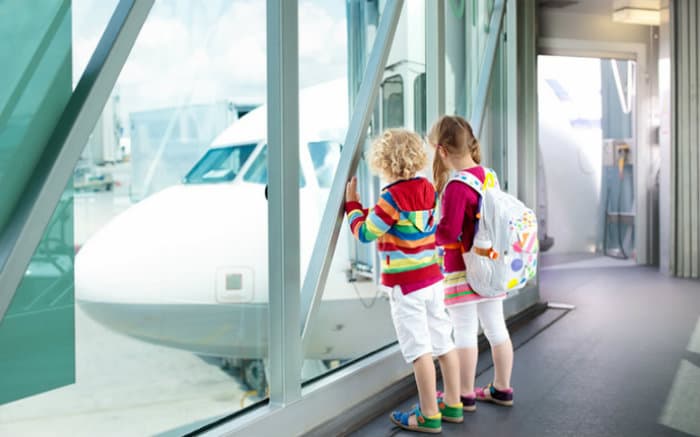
(351, 194)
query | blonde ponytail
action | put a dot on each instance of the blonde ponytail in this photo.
(455, 136)
(441, 174)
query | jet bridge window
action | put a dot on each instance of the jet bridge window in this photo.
(257, 173)
(325, 156)
(392, 102)
(220, 164)
(419, 104)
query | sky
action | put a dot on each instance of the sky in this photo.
(205, 51)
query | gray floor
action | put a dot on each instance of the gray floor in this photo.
(625, 362)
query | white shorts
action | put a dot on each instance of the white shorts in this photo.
(421, 321)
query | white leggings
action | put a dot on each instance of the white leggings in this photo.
(465, 319)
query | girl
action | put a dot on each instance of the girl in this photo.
(402, 222)
(457, 150)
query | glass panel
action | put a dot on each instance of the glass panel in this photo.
(494, 134)
(257, 172)
(90, 19)
(475, 25)
(34, 88)
(477, 20)
(392, 102)
(325, 156)
(170, 281)
(353, 318)
(36, 50)
(36, 333)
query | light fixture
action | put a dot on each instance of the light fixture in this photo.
(649, 17)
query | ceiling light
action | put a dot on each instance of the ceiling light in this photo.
(649, 17)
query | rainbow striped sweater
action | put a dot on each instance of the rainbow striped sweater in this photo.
(404, 226)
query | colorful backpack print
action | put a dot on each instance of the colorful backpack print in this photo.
(504, 254)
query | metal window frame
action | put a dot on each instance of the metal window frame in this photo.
(33, 212)
(324, 248)
(512, 96)
(478, 112)
(284, 344)
(435, 59)
(666, 132)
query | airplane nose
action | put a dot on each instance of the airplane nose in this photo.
(171, 248)
(144, 255)
(116, 265)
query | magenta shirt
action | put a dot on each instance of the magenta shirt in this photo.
(458, 219)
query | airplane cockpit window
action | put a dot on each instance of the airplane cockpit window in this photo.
(325, 156)
(257, 173)
(220, 164)
(392, 102)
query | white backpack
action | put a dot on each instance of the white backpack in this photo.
(504, 254)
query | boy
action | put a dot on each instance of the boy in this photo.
(403, 222)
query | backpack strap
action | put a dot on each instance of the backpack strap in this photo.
(469, 179)
(490, 181)
(472, 181)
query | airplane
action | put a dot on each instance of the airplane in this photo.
(187, 266)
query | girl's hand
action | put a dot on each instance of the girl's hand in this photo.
(351, 194)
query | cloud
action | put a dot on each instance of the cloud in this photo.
(201, 52)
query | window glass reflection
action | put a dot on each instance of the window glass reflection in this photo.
(325, 156)
(257, 173)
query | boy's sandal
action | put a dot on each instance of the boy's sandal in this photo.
(468, 403)
(492, 394)
(423, 424)
(450, 413)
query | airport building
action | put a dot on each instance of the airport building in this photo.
(175, 257)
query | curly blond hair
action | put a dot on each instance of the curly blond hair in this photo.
(398, 154)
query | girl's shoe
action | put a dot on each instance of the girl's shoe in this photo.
(430, 425)
(452, 414)
(491, 394)
(469, 403)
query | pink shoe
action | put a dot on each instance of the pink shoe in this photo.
(491, 394)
